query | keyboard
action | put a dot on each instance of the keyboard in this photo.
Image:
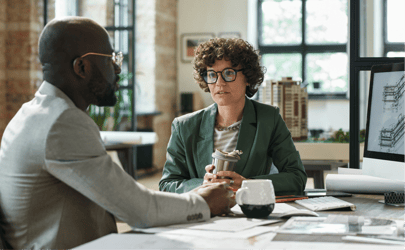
(325, 203)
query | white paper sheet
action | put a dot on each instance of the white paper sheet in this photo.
(350, 171)
(353, 183)
(245, 234)
(172, 241)
(371, 240)
(217, 224)
(281, 210)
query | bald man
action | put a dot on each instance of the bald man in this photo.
(58, 186)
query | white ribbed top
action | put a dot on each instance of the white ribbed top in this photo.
(226, 140)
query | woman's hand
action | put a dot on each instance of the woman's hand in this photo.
(209, 175)
(232, 178)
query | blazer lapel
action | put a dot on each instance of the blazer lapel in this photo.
(205, 140)
(247, 134)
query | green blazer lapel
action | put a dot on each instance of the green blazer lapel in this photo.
(205, 140)
(247, 134)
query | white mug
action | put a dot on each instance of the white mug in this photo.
(256, 198)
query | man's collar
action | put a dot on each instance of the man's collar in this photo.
(48, 88)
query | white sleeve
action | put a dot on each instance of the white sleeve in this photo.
(75, 155)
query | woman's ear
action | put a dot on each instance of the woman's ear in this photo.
(81, 67)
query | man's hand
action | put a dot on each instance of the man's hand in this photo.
(219, 197)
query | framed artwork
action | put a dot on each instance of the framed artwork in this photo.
(190, 41)
(229, 35)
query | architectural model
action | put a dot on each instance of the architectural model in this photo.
(292, 100)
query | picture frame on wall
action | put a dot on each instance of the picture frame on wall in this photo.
(189, 41)
(229, 35)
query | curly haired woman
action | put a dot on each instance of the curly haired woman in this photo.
(229, 69)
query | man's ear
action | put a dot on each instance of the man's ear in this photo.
(81, 67)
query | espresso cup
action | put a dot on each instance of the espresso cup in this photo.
(256, 198)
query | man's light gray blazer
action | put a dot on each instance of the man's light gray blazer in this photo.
(59, 188)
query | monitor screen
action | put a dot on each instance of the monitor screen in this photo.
(384, 146)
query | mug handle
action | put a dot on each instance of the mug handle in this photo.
(239, 194)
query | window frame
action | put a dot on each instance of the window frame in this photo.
(304, 49)
(357, 65)
(389, 46)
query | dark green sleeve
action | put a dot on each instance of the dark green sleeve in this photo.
(176, 177)
(291, 179)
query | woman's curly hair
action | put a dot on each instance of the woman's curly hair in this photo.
(236, 50)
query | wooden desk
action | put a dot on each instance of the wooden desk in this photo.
(367, 205)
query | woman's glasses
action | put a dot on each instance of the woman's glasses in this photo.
(228, 74)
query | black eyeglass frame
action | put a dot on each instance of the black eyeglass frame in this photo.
(216, 72)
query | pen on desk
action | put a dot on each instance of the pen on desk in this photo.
(371, 240)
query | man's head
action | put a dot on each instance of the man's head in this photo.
(76, 55)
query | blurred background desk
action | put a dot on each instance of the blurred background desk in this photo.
(315, 170)
(320, 157)
(126, 144)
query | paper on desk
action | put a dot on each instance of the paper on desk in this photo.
(172, 241)
(281, 210)
(362, 184)
(353, 171)
(244, 234)
(224, 224)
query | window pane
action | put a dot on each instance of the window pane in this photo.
(121, 41)
(326, 21)
(64, 8)
(395, 21)
(281, 22)
(282, 65)
(329, 69)
(395, 54)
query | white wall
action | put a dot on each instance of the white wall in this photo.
(214, 16)
(329, 115)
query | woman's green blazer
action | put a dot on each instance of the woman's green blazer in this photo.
(263, 137)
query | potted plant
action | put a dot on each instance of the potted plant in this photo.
(110, 118)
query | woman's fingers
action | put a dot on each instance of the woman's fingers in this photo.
(209, 176)
(209, 168)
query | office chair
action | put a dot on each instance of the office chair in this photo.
(3, 243)
(2, 246)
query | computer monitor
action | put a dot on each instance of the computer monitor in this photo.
(384, 145)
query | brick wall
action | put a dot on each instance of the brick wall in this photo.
(21, 22)
(166, 75)
(156, 68)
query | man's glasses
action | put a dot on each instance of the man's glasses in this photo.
(228, 74)
(117, 58)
